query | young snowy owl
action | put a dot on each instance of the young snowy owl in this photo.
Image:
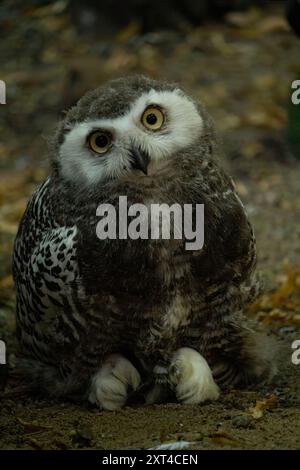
(140, 318)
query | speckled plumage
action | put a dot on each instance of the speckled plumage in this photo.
(80, 300)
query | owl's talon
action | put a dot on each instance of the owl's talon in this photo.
(191, 377)
(110, 385)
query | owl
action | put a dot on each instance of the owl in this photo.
(120, 319)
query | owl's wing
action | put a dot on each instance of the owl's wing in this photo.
(229, 251)
(47, 278)
(223, 272)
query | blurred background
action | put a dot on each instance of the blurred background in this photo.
(238, 57)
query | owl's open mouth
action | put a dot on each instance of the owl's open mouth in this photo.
(139, 159)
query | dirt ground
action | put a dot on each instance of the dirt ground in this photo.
(242, 70)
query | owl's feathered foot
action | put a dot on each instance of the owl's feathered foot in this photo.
(111, 384)
(191, 377)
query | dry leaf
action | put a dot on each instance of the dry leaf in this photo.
(243, 19)
(261, 405)
(222, 438)
(272, 24)
(289, 287)
(33, 426)
(282, 305)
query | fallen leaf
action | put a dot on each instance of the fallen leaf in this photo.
(272, 24)
(288, 287)
(31, 427)
(222, 438)
(268, 403)
(283, 304)
(243, 19)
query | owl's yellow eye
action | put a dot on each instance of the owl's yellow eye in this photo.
(99, 141)
(153, 118)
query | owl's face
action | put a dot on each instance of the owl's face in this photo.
(123, 127)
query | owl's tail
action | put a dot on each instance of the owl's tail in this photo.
(255, 362)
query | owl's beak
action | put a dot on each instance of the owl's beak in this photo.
(140, 160)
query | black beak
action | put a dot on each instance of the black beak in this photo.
(140, 160)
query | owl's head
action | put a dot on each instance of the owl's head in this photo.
(125, 126)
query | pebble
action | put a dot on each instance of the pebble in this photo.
(242, 421)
